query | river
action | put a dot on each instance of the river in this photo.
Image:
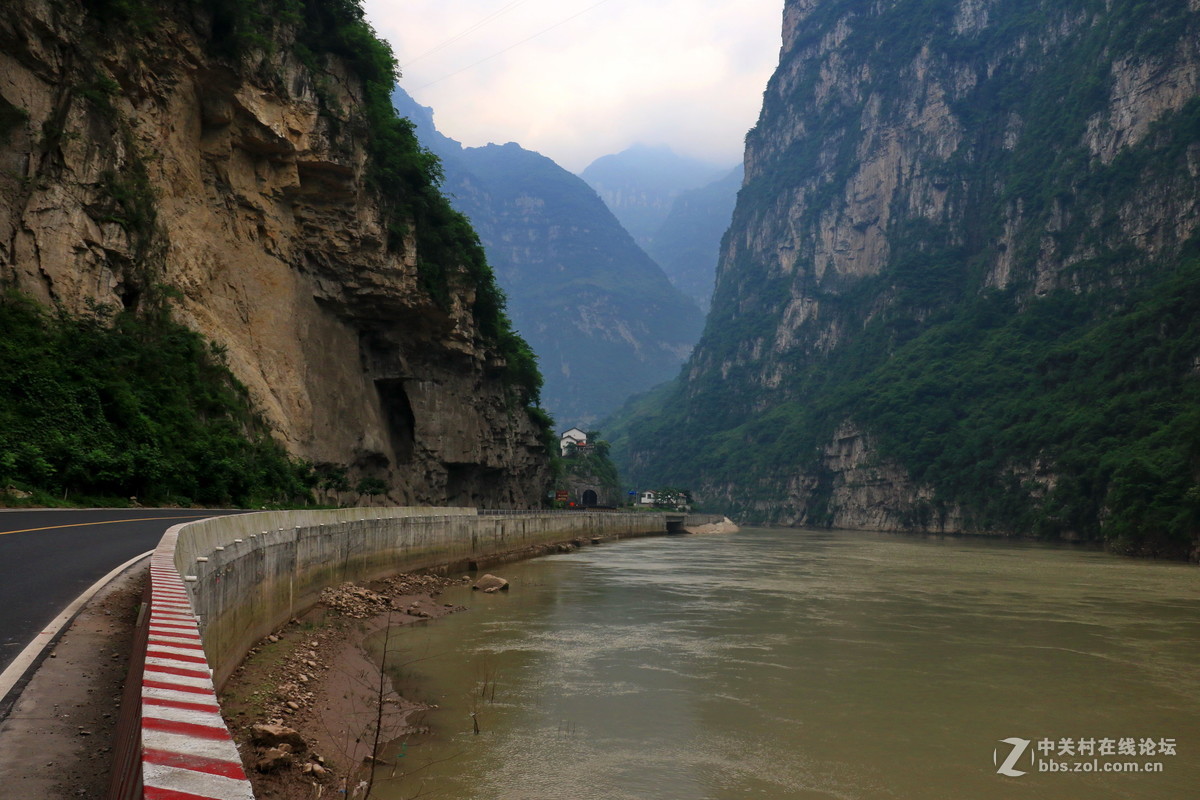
(810, 665)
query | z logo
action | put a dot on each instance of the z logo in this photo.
(1018, 750)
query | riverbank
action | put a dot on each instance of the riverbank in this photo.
(305, 704)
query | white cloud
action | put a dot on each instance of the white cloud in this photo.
(688, 73)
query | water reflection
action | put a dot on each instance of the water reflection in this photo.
(782, 664)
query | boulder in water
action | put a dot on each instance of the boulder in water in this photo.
(490, 583)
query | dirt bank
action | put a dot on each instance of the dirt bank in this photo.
(726, 525)
(315, 677)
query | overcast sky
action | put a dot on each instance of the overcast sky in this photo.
(597, 75)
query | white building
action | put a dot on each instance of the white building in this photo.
(573, 436)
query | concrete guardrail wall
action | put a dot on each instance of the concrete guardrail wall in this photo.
(219, 585)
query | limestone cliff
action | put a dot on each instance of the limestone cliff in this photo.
(151, 144)
(950, 209)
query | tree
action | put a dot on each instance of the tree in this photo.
(332, 479)
(371, 487)
(673, 498)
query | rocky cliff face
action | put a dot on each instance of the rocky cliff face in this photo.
(914, 164)
(136, 152)
(904, 134)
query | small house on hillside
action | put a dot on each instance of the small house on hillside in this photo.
(574, 437)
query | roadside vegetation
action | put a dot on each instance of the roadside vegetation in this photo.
(105, 408)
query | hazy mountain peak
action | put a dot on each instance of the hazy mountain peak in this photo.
(651, 165)
(641, 182)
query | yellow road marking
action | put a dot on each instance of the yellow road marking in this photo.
(104, 522)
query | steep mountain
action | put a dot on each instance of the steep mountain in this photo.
(239, 168)
(603, 319)
(688, 243)
(640, 184)
(446, 149)
(961, 285)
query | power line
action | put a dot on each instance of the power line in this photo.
(510, 47)
(469, 30)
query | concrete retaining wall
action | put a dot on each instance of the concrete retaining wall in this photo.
(220, 585)
(246, 585)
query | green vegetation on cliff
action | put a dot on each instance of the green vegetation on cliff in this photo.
(1049, 420)
(105, 407)
(1054, 419)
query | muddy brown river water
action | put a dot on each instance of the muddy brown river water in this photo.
(810, 666)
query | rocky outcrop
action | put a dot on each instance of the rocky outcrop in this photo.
(868, 492)
(490, 584)
(269, 735)
(136, 154)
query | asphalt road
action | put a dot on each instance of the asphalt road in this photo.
(48, 558)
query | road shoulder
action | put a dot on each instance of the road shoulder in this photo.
(57, 741)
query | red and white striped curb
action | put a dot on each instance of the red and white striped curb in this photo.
(187, 751)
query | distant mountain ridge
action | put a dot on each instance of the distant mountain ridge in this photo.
(688, 242)
(640, 185)
(602, 317)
